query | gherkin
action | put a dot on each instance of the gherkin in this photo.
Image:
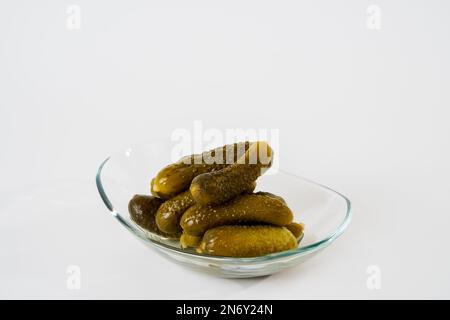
(176, 178)
(169, 213)
(246, 241)
(220, 186)
(142, 209)
(244, 209)
(296, 229)
(189, 241)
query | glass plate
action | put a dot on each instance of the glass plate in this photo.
(325, 212)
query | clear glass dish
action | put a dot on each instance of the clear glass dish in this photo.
(325, 212)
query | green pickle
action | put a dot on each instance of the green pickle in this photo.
(271, 195)
(213, 188)
(245, 209)
(176, 178)
(169, 213)
(142, 209)
(189, 241)
(246, 241)
(296, 229)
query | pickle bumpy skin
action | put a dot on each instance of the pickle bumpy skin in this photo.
(247, 208)
(246, 241)
(176, 178)
(169, 213)
(217, 187)
(271, 195)
(142, 209)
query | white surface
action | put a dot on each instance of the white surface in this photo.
(363, 111)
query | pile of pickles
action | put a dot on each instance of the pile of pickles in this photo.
(207, 201)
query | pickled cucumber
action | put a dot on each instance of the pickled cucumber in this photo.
(271, 195)
(246, 241)
(156, 193)
(169, 213)
(217, 187)
(189, 241)
(176, 177)
(297, 229)
(142, 209)
(246, 208)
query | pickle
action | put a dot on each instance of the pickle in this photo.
(250, 188)
(246, 241)
(217, 187)
(156, 193)
(189, 241)
(271, 195)
(169, 213)
(296, 229)
(176, 177)
(246, 208)
(142, 209)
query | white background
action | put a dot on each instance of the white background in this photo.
(363, 111)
